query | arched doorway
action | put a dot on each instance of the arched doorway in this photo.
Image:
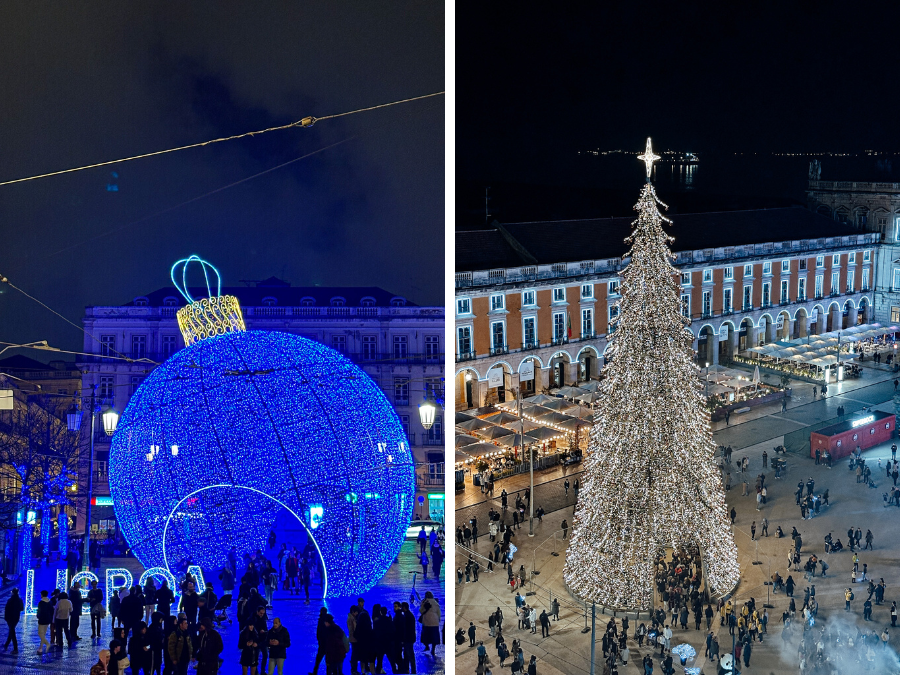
(833, 322)
(800, 323)
(498, 388)
(817, 320)
(558, 369)
(726, 342)
(862, 315)
(588, 364)
(746, 334)
(783, 327)
(466, 389)
(530, 367)
(849, 314)
(705, 342)
(765, 333)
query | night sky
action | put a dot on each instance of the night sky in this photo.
(536, 87)
(87, 82)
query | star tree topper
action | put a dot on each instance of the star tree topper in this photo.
(648, 157)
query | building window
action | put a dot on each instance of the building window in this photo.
(767, 294)
(587, 323)
(269, 302)
(559, 295)
(498, 336)
(707, 304)
(138, 346)
(401, 346)
(834, 283)
(529, 332)
(367, 301)
(748, 270)
(819, 286)
(135, 383)
(339, 343)
(369, 352)
(169, 345)
(685, 279)
(729, 273)
(867, 256)
(802, 264)
(404, 422)
(587, 291)
(726, 301)
(106, 387)
(865, 280)
(463, 306)
(141, 302)
(849, 283)
(851, 258)
(401, 390)
(338, 302)
(398, 302)
(435, 387)
(613, 315)
(836, 260)
(748, 298)
(785, 298)
(435, 433)
(801, 289)
(820, 261)
(895, 280)
(107, 345)
(559, 326)
(307, 302)
(528, 298)
(463, 340)
(497, 302)
(785, 265)
(432, 346)
(707, 276)
(767, 268)
(614, 287)
(895, 314)
(686, 305)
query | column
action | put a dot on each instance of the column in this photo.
(788, 331)
(572, 372)
(852, 317)
(543, 379)
(837, 317)
(712, 349)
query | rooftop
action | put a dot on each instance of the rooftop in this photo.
(546, 242)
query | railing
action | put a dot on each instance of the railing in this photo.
(263, 312)
(557, 341)
(432, 442)
(431, 480)
(465, 356)
(499, 351)
(530, 345)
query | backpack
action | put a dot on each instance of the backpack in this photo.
(852, 595)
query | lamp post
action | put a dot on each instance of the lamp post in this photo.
(427, 411)
(110, 419)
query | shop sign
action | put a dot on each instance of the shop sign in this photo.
(780, 321)
(723, 332)
(864, 420)
(495, 378)
(526, 371)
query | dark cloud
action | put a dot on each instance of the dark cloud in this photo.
(89, 83)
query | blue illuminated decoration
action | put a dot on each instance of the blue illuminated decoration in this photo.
(264, 422)
(84, 578)
(112, 575)
(25, 542)
(63, 519)
(30, 609)
(46, 527)
(159, 574)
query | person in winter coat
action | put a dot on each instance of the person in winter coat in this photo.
(45, 612)
(292, 569)
(131, 610)
(116, 654)
(209, 647)
(149, 599)
(156, 638)
(179, 648)
(164, 599)
(11, 613)
(364, 649)
(430, 617)
(249, 642)
(139, 649)
(100, 668)
(320, 640)
(77, 601)
(383, 633)
(279, 641)
(61, 619)
(409, 639)
(190, 604)
(95, 601)
(115, 609)
(336, 646)
(261, 621)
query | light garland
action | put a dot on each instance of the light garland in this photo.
(262, 421)
(26, 540)
(159, 574)
(650, 479)
(63, 520)
(84, 578)
(46, 527)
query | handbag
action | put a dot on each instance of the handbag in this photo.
(124, 663)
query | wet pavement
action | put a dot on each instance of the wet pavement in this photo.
(298, 618)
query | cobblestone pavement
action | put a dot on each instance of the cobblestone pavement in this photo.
(567, 649)
(299, 619)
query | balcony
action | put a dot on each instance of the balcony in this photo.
(432, 442)
(431, 480)
(499, 350)
(560, 340)
(526, 346)
(465, 356)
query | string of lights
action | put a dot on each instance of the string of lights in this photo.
(301, 123)
(650, 480)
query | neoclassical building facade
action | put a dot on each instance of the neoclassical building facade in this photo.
(541, 296)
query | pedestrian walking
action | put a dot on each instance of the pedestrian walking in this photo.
(12, 612)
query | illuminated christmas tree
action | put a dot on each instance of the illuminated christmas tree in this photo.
(650, 479)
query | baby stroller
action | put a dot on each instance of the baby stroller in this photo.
(222, 606)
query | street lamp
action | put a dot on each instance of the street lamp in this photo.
(427, 411)
(110, 419)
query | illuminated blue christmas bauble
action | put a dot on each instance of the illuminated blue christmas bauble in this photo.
(241, 426)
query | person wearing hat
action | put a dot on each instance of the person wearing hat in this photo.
(100, 668)
(209, 648)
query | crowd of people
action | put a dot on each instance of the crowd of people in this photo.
(159, 630)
